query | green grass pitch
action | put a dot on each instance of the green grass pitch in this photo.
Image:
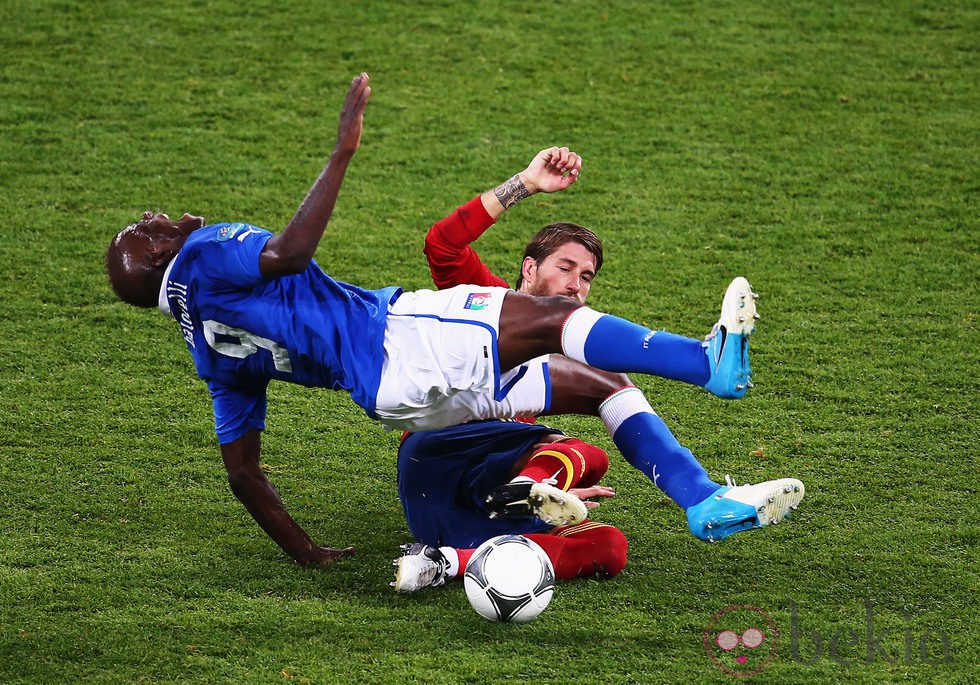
(827, 151)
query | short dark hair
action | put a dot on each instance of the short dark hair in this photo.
(546, 241)
(127, 277)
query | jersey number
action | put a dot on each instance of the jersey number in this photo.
(244, 344)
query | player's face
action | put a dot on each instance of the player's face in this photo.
(567, 271)
(155, 231)
(155, 237)
(162, 226)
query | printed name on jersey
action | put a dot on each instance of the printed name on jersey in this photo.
(477, 301)
(177, 295)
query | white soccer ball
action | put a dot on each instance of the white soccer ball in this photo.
(509, 578)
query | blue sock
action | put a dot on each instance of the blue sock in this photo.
(648, 445)
(614, 344)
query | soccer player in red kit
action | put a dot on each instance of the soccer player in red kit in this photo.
(450, 479)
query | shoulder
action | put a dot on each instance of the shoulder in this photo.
(230, 234)
(226, 250)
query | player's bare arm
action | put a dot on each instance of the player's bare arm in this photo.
(256, 492)
(551, 170)
(291, 251)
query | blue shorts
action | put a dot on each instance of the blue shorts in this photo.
(444, 476)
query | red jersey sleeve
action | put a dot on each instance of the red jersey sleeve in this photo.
(447, 247)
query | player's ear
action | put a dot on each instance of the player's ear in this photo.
(528, 268)
(160, 252)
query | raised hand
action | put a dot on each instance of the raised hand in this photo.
(352, 114)
(551, 170)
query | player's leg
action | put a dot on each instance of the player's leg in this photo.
(713, 511)
(532, 326)
(565, 462)
(587, 550)
(542, 478)
(445, 475)
(642, 437)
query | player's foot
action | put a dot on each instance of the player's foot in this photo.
(527, 498)
(727, 345)
(734, 508)
(419, 566)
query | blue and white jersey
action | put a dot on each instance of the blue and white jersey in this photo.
(244, 330)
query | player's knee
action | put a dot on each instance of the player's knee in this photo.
(607, 548)
(613, 544)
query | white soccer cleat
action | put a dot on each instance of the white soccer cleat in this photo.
(527, 498)
(419, 566)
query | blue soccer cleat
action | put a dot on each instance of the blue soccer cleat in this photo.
(727, 346)
(734, 508)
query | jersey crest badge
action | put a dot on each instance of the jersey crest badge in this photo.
(477, 301)
(229, 231)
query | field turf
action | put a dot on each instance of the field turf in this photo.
(826, 151)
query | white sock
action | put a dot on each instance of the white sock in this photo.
(452, 556)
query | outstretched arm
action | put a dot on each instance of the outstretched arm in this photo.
(290, 252)
(254, 490)
(551, 170)
(447, 244)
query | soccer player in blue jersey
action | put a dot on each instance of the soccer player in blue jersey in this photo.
(254, 307)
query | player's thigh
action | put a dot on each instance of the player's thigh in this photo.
(577, 388)
(530, 326)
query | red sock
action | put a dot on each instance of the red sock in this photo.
(464, 559)
(566, 464)
(586, 550)
(596, 462)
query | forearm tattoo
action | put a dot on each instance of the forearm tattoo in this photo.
(511, 191)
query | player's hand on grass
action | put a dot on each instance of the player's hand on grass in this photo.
(594, 491)
(552, 170)
(325, 555)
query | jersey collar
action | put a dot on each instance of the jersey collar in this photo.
(163, 301)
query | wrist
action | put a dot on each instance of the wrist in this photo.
(529, 185)
(512, 191)
(342, 153)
